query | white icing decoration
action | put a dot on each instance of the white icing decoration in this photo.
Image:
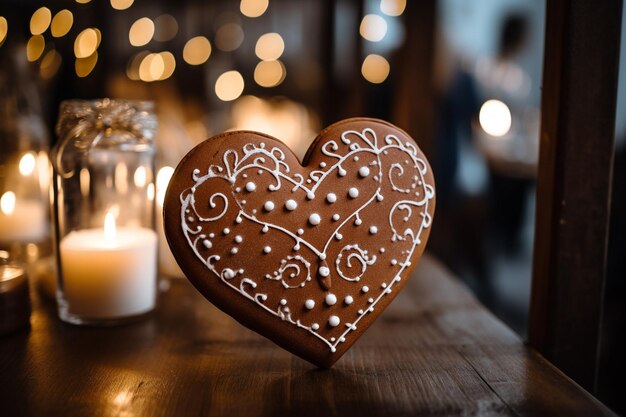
(269, 206)
(238, 239)
(365, 289)
(226, 231)
(300, 232)
(331, 197)
(234, 251)
(207, 244)
(357, 254)
(324, 271)
(373, 230)
(364, 172)
(331, 299)
(267, 249)
(211, 235)
(348, 300)
(291, 205)
(336, 217)
(381, 250)
(309, 304)
(310, 195)
(358, 222)
(334, 321)
(407, 218)
(353, 192)
(315, 219)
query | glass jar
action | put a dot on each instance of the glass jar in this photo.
(104, 216)
(24, 166)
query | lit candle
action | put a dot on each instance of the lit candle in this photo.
(109, 272)
(21, 220)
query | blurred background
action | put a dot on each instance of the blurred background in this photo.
(462, 77)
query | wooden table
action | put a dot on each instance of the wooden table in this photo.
(435, 351)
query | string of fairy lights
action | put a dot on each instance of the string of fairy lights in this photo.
(148, 66)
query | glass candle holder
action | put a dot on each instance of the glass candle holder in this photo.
(24, 167)
(14, 296)
(104, 214)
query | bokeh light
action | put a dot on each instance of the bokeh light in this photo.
(373, 27)
(269, 47)
(34, 47)
(253, 8)
(392, 7)
(197, 50)
(269, 73)
(4, 29)
(229, 86)
(86, 43)
(84, 66)
(165, 28)
(375, 68)
(141, 32)
(50, 64)
(495, 118)
(62, 23)
(229, 37)
(121, 4)
(40, 20)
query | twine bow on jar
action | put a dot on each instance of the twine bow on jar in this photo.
(103, 123)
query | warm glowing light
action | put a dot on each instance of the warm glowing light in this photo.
(86, 43)
(495, 118)
(43, 171)
(50, 64)
(84, 182)
(169, 65)
(4, 28)
(392, 7)
(83, 1)
(375, 68)
(165, 28)
(27, 164)
(141, 32)
(150, 191)
(269, 73)
(269, 47)
(40, 20)
(140, 177)
(229, 86)
(229, 37)
(35, 47)
(373, 27)
(132, 70)
(253, 8)
(121, 4)
(120, 177)
(162, 181)
(109, 226)
(62, 23)
(7, 202)
(84, 66)
(197, 50)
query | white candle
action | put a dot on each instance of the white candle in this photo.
(21, 220)
(109, 273)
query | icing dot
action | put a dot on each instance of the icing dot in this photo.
(190, 219)
(250, 186)
(245, 175)
(364, 172)
(353, 192)
(243, 201)
(331, 299)
(234, 251)
(331, 197)
(338, 236)
(322, 256)
(360, 311)
(310, 195)
(383, 285)
(365, 288)
(207, 244)
(373, 230)
(262, 145)
(296, 247)
(379, 197)
(342, 172)
(324, 271)
(265, 229)
(253, 211)
(394, 262)
(309, 304)
(211, 235)
(228, 273)
(300, 231)
(260, 171)
(238, 189)
(315, 326)
(358, 222)
(283, 302)
(336, 217)
(226, 231)
(332, 339)
(267, 249)
(308, 181)
(381, 250)
(334, 321)
(291, 205)
(269, 206)
(370, 300)
(238, 220)
(314, 219)
(348, 300)
(322, 164)
(238, 239)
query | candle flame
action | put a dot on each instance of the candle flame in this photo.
(495, 118)
(7, 202)
(109, 226)
(27, 164)
(140, 177)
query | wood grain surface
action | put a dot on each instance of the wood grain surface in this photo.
(435, 351)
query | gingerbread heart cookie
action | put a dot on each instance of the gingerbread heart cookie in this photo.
(308, 255)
